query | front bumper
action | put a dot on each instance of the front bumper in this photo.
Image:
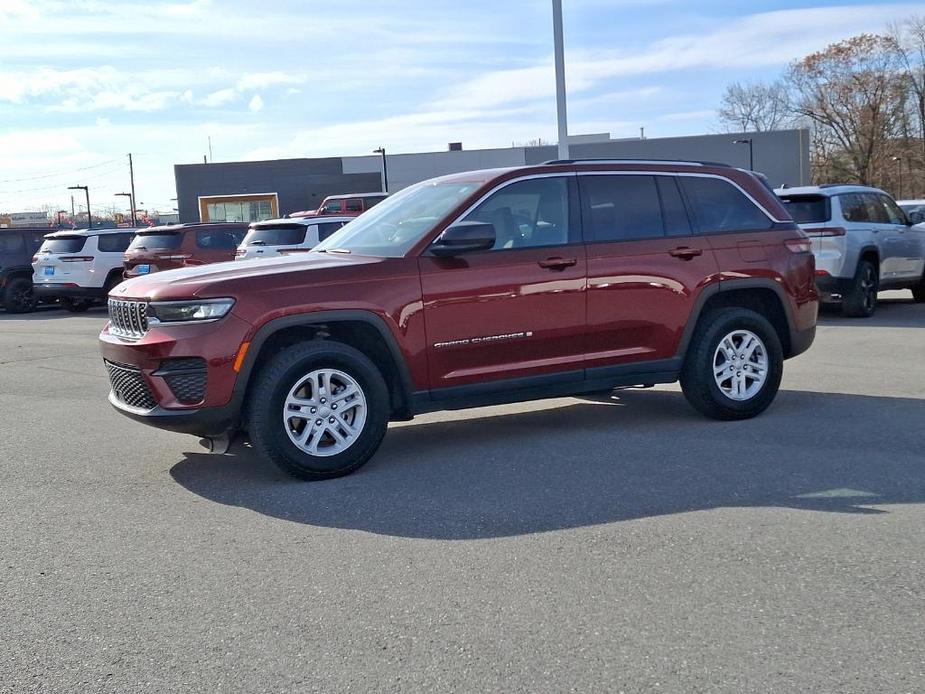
(153, 361)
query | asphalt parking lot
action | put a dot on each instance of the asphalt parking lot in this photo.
(604, 544)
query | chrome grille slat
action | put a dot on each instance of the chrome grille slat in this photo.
(128, 319)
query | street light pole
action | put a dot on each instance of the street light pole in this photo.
(560, 78)
(899, 161)
(131, 175)
(86, 190)
(751, 150)
(385, 170)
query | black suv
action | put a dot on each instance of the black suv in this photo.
(17, 246)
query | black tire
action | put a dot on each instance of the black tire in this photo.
(918, 292)
(861, 300)
(267, 429)
(113, 281)
(697, 379)
(76, 305)
(18, 296)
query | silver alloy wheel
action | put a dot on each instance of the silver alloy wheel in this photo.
(325, 412)
(740, 365)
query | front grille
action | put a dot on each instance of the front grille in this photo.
(129, 385)
(186, 378)
(128, 318)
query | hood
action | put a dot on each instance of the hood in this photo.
(232, 277)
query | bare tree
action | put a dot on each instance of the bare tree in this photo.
(854, 93)
(755, 106)
(909, 36)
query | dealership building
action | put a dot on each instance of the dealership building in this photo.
(253, 190)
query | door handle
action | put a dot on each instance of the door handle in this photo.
(557, 263)
(685, 253)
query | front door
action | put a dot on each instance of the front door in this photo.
(517, 310)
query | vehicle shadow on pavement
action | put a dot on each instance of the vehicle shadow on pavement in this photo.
(632, 455)
(891, 313)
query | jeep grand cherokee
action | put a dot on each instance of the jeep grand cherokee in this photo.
(472, 289)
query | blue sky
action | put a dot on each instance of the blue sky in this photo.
(83, 82)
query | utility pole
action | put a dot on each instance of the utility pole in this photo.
(560, 77)
(385, 170)
(211, 158)
(72, 207)
(86, 190)
(131, 175)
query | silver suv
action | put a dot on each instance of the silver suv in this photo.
(863, 242)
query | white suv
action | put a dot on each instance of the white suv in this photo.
(79, 267)
(863, 242)
(276, 237)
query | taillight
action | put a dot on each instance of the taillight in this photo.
(76, 258)
(799, 245)
(826, 231)
(35, 259)
(822, 273)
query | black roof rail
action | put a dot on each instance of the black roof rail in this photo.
(613, 160)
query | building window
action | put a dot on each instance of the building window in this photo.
(238, 208)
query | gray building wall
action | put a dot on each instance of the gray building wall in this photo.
(783, 156)
(301, 184)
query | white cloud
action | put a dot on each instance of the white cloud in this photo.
(219, 98)
(256, 104)
(262, 80)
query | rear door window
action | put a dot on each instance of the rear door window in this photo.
(332, 207)
(875, 210)
(620, 208)
(719, 206)
(277, 235)
(64, 244)
(114, 243)
(674, 213)
(808, 209)
(354, 205)
(157, 241)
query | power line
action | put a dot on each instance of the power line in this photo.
(58, 173)
(93, 177)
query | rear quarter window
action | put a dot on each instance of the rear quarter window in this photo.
(808, 209)
(325, 230)
(719, 206)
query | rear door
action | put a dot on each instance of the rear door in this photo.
(890, 237)
(645, 267)
(214, 245)
(518, 310)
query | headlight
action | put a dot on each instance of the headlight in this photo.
(188, 311)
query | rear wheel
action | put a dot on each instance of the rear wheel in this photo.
(18, 297)
(76, 305)
(734, 365)
(861, 300)
(319, 410)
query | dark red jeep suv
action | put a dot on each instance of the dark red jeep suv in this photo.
(473, 289)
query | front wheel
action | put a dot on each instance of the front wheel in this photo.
(319, 410)
(734, 365)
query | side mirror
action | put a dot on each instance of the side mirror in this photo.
(916, 217)
(464, 237)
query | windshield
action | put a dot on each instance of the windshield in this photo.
(279, 235)
(808, 209)
(392, 227)
(157, 241)
(63, 244)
